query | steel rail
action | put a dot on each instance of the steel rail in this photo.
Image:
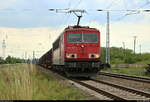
(105, 93)
(135, 78)
(124, 88)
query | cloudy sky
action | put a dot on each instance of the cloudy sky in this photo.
(28, 25)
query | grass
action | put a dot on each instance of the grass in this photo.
(25, 82)
(128, 71)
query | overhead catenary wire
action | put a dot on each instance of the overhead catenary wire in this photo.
(77, 4)
(75, 11)
(107, 60)
(137, 11)
(147, 3)
(110, 5)
(68, 17)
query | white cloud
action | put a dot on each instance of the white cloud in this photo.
(40, 39)
(101, 1)
(124, 32)
(136, 2)
(7, 3)
(112, 3)
(27, 39)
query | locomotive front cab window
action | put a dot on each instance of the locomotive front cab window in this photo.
(74, 38)
(90, 38)
(82, 38)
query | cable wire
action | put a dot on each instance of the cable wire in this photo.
(135, 12)
(77, 4)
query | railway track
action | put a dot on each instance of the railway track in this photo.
(113, 91)
(135, 78)
(132, 90)
(110, 90)
(105, 93)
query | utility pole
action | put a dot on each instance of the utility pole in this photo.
(50, 40)
(123, 47)
(140, 49)
(134, 43)
(107, 41)
(33, 54)
(33, 60)
(3, 48)
(25, 55)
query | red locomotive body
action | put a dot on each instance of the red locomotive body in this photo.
(83, 44)
(77, 51)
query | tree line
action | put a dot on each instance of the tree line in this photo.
(117, 56)
(125, 56)
(10, 60)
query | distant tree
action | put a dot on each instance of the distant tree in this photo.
(12, 60)
(9, 59)
(2, 61)
(124, 56)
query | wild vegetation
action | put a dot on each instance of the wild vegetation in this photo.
(128, 71)
(25, 82)
(10, 60)
(117, 56)
(125, 56)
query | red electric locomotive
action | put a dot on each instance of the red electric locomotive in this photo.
(77, 51)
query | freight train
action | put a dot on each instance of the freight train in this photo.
(76, 52)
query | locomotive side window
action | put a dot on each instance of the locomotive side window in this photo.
(82, 38)
(90, 38)
(74, 38)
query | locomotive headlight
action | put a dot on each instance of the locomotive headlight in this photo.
(68, 55)
(71, 55)
(96, 55)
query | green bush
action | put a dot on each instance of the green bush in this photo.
(124, 56)
(2, 61)
(10, 60)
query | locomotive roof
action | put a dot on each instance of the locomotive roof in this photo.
(75, 28)
(78, 27)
